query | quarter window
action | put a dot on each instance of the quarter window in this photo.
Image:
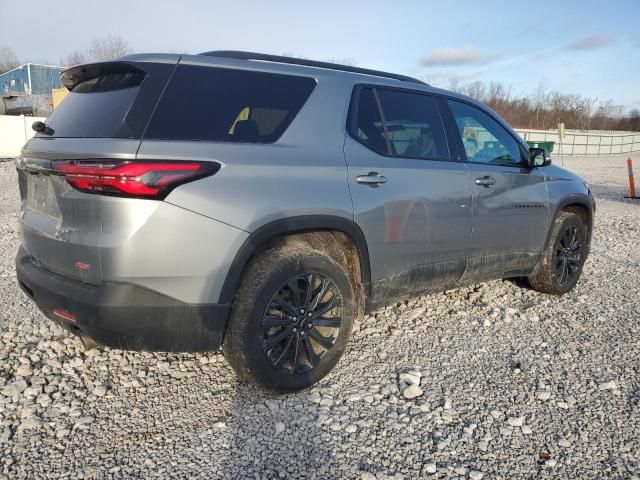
(484, 139)
(227, 105)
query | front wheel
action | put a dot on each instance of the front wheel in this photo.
(291, 320)
(561, 263)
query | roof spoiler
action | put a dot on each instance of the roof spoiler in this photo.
(74, 75)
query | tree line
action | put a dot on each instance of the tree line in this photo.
(543, 108)
(100, 49)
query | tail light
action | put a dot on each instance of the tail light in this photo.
(132, 179)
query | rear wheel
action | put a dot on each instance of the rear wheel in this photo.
(561, 264)
(291, 319)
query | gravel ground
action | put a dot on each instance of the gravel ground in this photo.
(508, 383)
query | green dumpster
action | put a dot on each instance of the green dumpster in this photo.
(546, 145)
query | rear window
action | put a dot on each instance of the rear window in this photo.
(226, 105)
(97, 107)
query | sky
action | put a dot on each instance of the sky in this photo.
(590, 48)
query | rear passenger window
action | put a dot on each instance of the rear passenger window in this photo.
(226, 105)
(408, 126)
(369, 128)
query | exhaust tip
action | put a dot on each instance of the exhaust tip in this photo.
(87, 342)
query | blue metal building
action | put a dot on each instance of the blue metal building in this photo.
(30, 78)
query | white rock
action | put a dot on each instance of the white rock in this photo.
(30, 423)
(544, 395)
(24, 370)
(526, 430)
(280, 427)
(100, 391)
(608, 385)
(564, 443)
(475, 475)
(351, 428)
(410, 378)
(412, 391)
(430, 468)
(447, 404)
(515, 421)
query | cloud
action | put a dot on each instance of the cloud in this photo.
(448, 57)
(441, 78)
(591, 42)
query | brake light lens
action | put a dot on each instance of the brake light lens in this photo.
(132, 179)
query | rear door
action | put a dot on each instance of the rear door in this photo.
(412, 202)
(101, 118)
(510, 202)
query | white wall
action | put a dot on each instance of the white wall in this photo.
(14, 132)
(591, 142)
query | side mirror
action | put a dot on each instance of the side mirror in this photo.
(539, 157)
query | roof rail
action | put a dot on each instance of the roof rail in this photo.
(240, 55)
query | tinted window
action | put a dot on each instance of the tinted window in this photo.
(369, 129)
(97, 107)
(225, 105)
(413, 124)
(484, 139)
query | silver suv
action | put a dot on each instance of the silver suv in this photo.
(261, 203)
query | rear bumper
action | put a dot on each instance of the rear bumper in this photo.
(122, 316)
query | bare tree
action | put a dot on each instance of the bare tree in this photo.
(108, 47)
(75, 58)
(8, 59)
(101, 49)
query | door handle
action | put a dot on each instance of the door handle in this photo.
(485, 181)
(373, 179)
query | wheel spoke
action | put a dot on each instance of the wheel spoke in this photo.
(276, 339)
(320, 295)
(271, 322)
(296, 291)
(311, 353)
(325, 342)
(564, 271)
(308, 291)
(294, 363)
(284, 352)
(334, 322)
(286, 306)
(326, 307)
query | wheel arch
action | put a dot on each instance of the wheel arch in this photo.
(272, 231)
(576, 203)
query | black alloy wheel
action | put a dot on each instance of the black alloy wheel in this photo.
(301, 323)
(568, 255)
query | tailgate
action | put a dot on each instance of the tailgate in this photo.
(61, 226)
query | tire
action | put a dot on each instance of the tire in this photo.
(269, 346)
(561, 263)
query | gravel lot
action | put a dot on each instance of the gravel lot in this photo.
(512, 384)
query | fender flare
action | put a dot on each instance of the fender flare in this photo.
(573, 199)
(290, 225)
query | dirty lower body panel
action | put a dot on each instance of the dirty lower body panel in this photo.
(122, 316)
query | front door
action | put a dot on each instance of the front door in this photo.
(412, 203)
(510, 202)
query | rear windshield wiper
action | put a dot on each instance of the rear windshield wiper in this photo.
(41, 127)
